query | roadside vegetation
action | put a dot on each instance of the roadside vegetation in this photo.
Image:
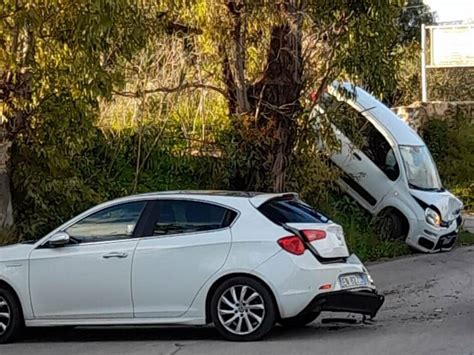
(102, 99)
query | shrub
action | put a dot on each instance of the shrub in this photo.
(452, 146)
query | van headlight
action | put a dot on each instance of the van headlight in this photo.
(432, 217)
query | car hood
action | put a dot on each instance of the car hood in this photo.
(448, 205)
(15, 252)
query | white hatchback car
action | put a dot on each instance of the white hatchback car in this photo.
(242, 261)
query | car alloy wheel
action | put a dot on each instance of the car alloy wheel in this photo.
(5, 316)
(11, 318)
(241, 309)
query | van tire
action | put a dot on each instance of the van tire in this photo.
(390, 225)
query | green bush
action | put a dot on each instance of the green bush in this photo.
(58, 174)
(358, 229)
(452, 145)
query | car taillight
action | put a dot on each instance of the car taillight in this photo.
(313, 234)
(292, 244)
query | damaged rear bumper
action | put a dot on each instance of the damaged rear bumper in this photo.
(366, 302)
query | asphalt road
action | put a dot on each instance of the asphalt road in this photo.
(429, 309)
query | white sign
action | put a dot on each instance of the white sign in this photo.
(452, 46)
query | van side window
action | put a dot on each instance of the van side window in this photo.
(368, 139)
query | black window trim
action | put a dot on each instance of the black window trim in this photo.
(148, 223)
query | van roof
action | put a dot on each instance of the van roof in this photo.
(398, 129)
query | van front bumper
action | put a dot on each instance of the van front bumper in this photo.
(432, 240)
(366, 302)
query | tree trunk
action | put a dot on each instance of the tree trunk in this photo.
(16, 93)
(273, 101)
(6, 211)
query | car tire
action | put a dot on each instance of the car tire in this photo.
(300, 320)
(11, 319)
(390, 226)
(243, 309)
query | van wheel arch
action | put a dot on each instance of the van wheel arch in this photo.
(391, 224)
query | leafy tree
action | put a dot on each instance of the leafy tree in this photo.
(262, 58)
(59, 57)
(413, 14)
(274, 54)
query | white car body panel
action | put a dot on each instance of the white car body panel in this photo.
(194, 258)
(295, 291)
(333, 245)
(14, 270)
(77, 282)
(166, 279)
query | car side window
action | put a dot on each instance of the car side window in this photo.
(117, 222)
(373, 144)
(182, 216)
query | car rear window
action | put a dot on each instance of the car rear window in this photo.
(282, 211)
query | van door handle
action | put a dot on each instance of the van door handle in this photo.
(357, 156)
(115, 255)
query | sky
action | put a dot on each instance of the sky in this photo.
(452, 10)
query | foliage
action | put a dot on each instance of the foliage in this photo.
(102, 169)
(358, 229)
(443, 84)
(452, 146)
(413, 14)
(8, 236)
(466, 238)
(112, 97)
(59, 57)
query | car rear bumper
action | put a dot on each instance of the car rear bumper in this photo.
(366, 302)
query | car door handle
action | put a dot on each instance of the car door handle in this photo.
(115, 255)
(357, 156)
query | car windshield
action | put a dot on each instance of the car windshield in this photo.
(420, 168)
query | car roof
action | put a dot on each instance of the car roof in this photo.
(255, 198)
(401, 132)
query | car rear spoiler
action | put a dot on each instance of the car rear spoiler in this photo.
(259, 200)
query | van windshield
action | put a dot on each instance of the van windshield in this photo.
(420, 168)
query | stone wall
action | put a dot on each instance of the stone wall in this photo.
(418, 113)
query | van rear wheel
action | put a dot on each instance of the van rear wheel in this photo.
(390, 225)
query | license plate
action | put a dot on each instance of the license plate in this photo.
(353, 280)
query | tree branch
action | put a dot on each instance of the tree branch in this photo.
(181, 87)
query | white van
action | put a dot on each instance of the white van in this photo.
(391, 173)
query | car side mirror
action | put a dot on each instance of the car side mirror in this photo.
(59, 239)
